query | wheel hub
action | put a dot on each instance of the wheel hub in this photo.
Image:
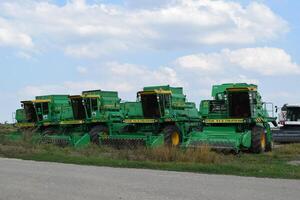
(175, 138)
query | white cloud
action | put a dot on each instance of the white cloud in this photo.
(264, 61)
(68, 87)
(253, 23)
(96, 29)
(196, 73)
(200, 62)
(137, 73)
(240, 78)
(122, 77)
(148, 4)
(10, 36)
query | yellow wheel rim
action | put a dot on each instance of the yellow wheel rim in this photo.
(104, 135)
(175, 138)
(263, 141)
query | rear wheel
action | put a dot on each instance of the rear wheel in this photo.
(172, 136)
(269, 146)
(96, 132)
(258, 140)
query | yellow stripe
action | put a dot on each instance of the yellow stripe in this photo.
(156, 92)
(75, 97)
(95, 120)
(242, 89)
(84, 96)
(110, 106)
(220, 121)
(140, 121)
(178, 104)
(90, 96)
(71, 122)
(24, 125)
(46, 123)
(41, 101)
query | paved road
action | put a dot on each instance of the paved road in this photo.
(52, 181)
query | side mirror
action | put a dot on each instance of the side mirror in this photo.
(276, 109)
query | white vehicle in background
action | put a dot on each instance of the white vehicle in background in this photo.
(289, 124)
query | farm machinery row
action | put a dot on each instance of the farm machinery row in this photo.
(236, 119)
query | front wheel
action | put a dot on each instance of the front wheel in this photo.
(172, 136)
(269, 146)
(96, 132)
(258, 140)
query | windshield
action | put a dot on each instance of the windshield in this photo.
(150, 105)
(91, 106)
(239, 104)
(78, 108)
(30, 112)
(42, 110)
(293, 114)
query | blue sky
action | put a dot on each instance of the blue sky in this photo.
(64, 47)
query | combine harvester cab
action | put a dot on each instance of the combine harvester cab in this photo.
(42, 116)
(160, 116)
(70, 120)
(289, 124)
(98, 112)
(26, 117)
(26, 121)
(51, 113)
(236, 119)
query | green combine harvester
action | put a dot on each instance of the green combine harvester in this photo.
(70, 120)
(98, 113)
(236, 119)
(161, 115)
(38, 115)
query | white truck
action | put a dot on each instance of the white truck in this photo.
(289, 124)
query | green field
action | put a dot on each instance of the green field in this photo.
(202, 160)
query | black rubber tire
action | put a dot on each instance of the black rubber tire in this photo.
(168, 131)
(95, 133)
(256, 135)
(269, 146)
(129, 129)
(48, 132)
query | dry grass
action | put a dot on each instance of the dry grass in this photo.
(290, 149)
(273, 164)
(170, 154)
(7, 128)
(160, 154)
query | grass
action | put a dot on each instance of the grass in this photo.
(201, 160)
(7, 128)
